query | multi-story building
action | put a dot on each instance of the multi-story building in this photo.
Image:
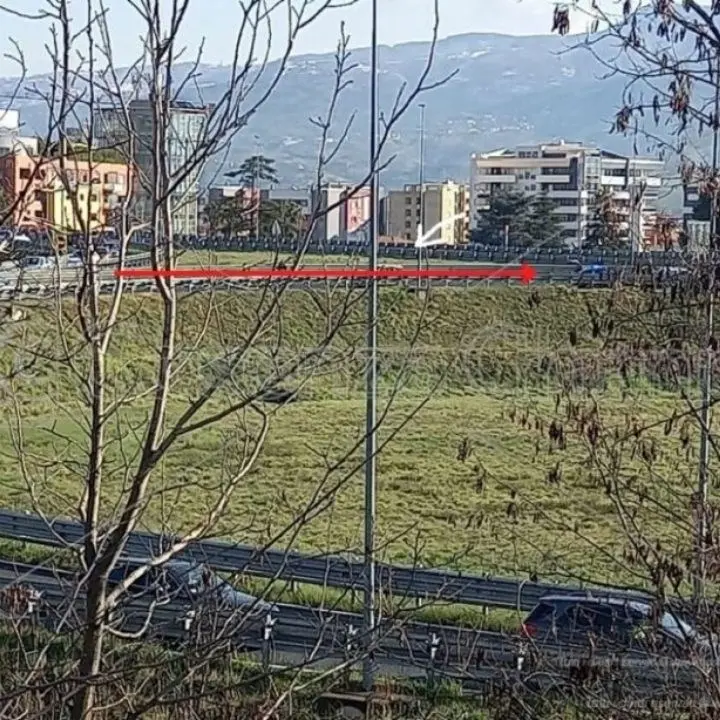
(438, 203)
(187, 123)
(64, 196)
(571, 174)
(696, 217)
(341, 214)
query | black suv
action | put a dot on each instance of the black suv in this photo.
(610, 622)
(188, 589)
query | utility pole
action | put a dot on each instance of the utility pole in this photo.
(706, 400)
(371, 377)
(256, 183)
(421, 228)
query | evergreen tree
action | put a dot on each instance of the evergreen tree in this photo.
(254, 171)
(508, 209)
(543, 223)
(282, 215)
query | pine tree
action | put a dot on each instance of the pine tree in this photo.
(543, 223)
(508, 209)
(254, 171)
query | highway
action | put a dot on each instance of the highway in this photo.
(402, 649)
(38, 283)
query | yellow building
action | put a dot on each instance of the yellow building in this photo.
(87, 197)
(440, 202)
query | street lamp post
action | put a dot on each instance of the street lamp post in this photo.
(421, 229)
(371, 378)
(706, 398)
(256, 182)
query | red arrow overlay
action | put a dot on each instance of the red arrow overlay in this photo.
(524, 273)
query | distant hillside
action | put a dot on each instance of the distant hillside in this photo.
(507, 90)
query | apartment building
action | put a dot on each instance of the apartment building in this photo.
(342, 214)
(571, 174)
(63, 200)
(185, 129)
(696, 217)
(437, 203)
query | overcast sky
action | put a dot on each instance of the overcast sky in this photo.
(215, 21)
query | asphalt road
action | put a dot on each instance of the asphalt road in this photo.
(312, 636)
(39, 282)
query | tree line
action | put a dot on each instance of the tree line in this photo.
(244, 213)
(523, 220)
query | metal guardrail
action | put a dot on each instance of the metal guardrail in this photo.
(40, 284)
(330, 571)
(410, 649)
(473, 252)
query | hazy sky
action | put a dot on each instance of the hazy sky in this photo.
(216, 21)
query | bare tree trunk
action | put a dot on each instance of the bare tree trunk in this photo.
(92, 650)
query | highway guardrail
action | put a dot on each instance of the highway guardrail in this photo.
(324, 570)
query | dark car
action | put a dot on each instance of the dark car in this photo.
(190, 590)
(593, 276)
(610, 622)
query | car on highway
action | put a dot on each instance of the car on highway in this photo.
(38, 262)
(595, 275)
(611, 622)
(193, 587)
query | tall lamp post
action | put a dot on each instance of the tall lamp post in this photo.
(706, 398)
(421, 224)
(256, 182)
(371, 378)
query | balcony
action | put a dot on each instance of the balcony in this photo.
(495, 179)
(554, 179)
(614, 180)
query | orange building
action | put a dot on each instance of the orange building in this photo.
(49, 200)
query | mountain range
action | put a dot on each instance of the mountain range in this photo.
(505, 90)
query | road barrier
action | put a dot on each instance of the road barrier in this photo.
(403, 648)
(326, 570)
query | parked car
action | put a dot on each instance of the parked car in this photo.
(193, 587)
(611, 622)
(75, 260)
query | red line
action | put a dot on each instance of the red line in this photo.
(526, 273)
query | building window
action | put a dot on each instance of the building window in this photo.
(408, 201)
(93, 216)
(408, 213)
(93, 198)
(24, 173)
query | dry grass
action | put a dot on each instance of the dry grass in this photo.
(495, 511)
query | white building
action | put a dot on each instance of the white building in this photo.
(571, 174)
(10, 139)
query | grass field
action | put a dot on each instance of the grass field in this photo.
(208, 258)
(499, 357)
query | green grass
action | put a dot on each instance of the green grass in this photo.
(209, 258)
(504, 353)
